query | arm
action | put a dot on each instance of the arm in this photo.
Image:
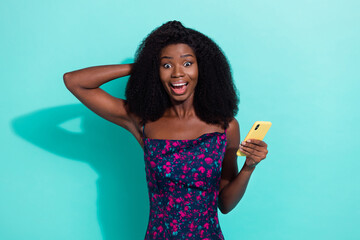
(233, 183)
(85, 83)
(94, 77)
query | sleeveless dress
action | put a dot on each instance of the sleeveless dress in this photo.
(183, 179)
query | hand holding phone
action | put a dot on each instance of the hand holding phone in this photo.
(257, 131)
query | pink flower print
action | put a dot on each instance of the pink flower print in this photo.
(167, 147)
(196, 176)
(167, 169)
(171, 202)
(190, 169)
(172, 186)
(192, 227)
(216, 220)
(185, 168)
(174, 226)
(208, 174)
(206, 225)
(182, 214)
(199, 183)
(208, 160)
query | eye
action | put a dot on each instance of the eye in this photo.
(187, 64)
(166, 65)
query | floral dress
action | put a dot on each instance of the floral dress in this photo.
(183, 179)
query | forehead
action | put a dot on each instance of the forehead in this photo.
(176, 50)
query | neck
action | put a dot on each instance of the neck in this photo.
(182, 110)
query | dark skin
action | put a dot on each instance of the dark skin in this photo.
(178, 65)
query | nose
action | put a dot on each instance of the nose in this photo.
(177, 72)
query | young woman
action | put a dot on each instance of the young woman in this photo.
(180, 106)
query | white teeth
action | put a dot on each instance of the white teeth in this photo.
(178, 84)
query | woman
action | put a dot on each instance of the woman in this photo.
(180, 106)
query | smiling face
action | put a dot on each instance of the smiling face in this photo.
(179, 71)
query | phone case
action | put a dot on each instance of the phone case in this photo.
(257, 131)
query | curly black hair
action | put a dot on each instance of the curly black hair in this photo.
(215, 98)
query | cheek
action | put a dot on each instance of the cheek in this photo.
(162, 78)
(164, 81)
(164, 84)
(164, 75)
(194, 75)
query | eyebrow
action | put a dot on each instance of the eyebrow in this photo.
(182, 56)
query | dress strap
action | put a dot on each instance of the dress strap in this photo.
(143, 130)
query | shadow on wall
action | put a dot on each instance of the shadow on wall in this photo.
(115, 155)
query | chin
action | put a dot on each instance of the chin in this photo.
(180, 98)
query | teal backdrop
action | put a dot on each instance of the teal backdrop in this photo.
(67, 174)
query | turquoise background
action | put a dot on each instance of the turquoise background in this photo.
(66, 173)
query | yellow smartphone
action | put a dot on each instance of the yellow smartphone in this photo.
(257, 131)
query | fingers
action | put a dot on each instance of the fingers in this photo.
(256, 142)
(254, 148)
(251, 152)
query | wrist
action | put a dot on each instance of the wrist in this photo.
(248, 168)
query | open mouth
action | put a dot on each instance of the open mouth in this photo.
(179, 88)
